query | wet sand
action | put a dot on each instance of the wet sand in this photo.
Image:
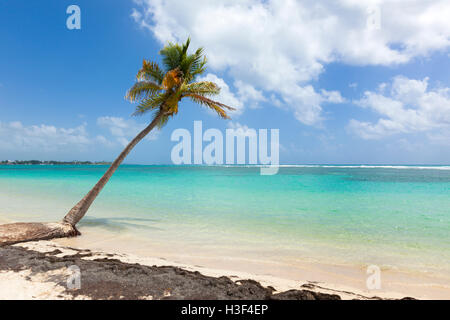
(270, 270)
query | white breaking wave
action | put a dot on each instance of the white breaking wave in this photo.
(372, 167)
(343, 166)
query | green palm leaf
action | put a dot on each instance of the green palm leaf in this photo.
(206, 88)
(171, 56)
(214, 105)
(180, 70)
(142, 90)
(151, 103)
(150, 71)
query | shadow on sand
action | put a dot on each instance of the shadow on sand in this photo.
(120, 223)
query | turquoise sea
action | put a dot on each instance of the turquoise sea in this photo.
(395, 217)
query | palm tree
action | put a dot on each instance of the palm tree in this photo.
(158, 90)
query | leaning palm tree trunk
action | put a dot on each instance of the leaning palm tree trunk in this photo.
(80, 209)
(21, 232)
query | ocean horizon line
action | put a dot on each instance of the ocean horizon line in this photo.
(310, 165)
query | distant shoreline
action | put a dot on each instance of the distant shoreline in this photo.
(51, 162)
(343, 166)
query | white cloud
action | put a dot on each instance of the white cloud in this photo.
(280, 46)
(103, 141)
(117, 126)
(249, 95)
(16, 136)
(440, 138)
(124, 130)
(237, 126)
(241, 130)
(246, 96)
(409, 107)
(136, 15)
(332, 96)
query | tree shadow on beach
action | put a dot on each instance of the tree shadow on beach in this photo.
(120, 223)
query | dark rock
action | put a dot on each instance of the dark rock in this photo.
(304, 295)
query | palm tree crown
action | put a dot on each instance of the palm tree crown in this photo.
(160, 90)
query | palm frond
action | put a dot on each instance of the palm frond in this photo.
(171, 56)
(176, 56)
(150, 104)
(142, 90)
(150, 71)
(203, 88)
(185, 47)
(193, 64)
(214, 105)
(198, 68)
(199, 58)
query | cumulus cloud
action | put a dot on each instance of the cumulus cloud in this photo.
(280, 46)
(123, 130)
(241, 130)
(332, 96)
(246, 95)
(16, 136)
(410, 106)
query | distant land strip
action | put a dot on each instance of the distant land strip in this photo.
(50, 162)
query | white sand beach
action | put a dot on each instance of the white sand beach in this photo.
(346, 282)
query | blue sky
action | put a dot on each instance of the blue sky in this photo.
(341, 90)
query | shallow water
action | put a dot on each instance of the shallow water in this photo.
(394, 217)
